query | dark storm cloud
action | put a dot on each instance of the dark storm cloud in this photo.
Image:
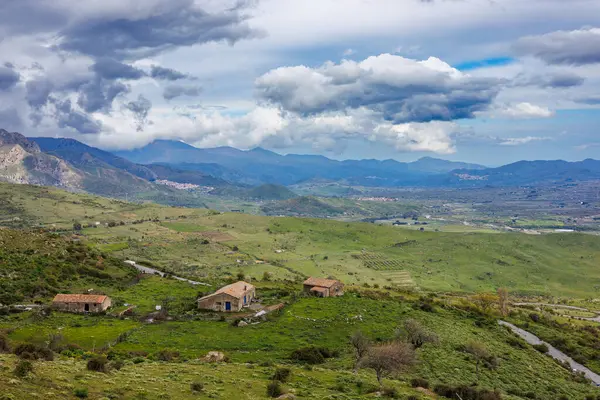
(66, 116)
(98, 95)
(401, 89)
(108, 68)
(591, 100)
(174, 91)
(555, 80)
(578, 47)
(30, 17)
(8, 78)
(168, 74)
(38, 91)
(10, 119)
(140, 109)
(179, 23)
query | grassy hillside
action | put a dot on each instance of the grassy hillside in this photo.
(35, 266)
(210, 245)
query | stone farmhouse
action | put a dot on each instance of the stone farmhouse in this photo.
(230, 298)
(81, 303)
(323, 287)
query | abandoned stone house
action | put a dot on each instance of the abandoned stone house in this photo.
(81, 303)
(230, 298)
(324, 287)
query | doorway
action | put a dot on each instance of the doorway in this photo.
(227, 306)
(87, 307)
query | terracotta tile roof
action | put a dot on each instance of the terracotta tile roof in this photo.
(79, 298)
(319, 289)
(320, 282)
(235, 289)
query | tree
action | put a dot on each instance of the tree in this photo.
(388, 358)
(77, 226)
(479, 352)
(416, 334)
(503, 301)
(361, 345)
(484, 301)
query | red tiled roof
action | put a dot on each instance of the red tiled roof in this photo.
(79, 298)
(237, 290)
(326, 283)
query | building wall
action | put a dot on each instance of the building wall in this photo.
(335, 290)
(217, 302)
(80, 307)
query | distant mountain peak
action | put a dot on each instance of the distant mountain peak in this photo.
(15, 138)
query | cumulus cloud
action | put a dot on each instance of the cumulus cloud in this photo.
(66, 116)
(174, 91)
(519, 111)
(401, 89)
(140, 109)
(131, 31)
(8, 78)
(158, 72)
(578, 47)
(108, 68)
(98, 95)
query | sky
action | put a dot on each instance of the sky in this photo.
(486, 81)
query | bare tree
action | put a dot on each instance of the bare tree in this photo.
(361, 345)
(503, 300)
(479, 352)
(416, 334)
(388, 358)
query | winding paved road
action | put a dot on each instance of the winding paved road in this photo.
(152, 271)
(555, 353)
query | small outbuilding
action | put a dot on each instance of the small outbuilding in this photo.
(324, 287)
(230, 298)
(81, 303)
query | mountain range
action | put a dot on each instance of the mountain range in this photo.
(256, 174)
(260, 166)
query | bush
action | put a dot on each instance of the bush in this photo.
(391, 393)
(197, 386)
(4, 345)
(313, 355)
(282, 374)
(98, 364)
(30, 351)
(419, 382)
(542, 348)
(23, 368)
(117, 364)
(274, 389)
(466, 393)
(166, 355)
(81, 393)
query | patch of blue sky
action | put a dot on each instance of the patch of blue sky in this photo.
(485, 63)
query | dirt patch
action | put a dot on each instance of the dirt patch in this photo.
(217, 236)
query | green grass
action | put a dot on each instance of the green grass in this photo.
(184, 227)
(328, 323)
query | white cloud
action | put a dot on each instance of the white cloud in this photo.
(522, 140)
(520, 110)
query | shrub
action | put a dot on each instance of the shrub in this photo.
(23, 368)
(197, 386)
(274, 389)
(391, 393)
(282, 374)
(534, 317)
(419, 382)
(30, 351)
(117, 364)
(138, 360)
(81, 393)
(313, 355)
(4, 345)
(98, 364)
(466, 393)
(542, 347)
(166, 355)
